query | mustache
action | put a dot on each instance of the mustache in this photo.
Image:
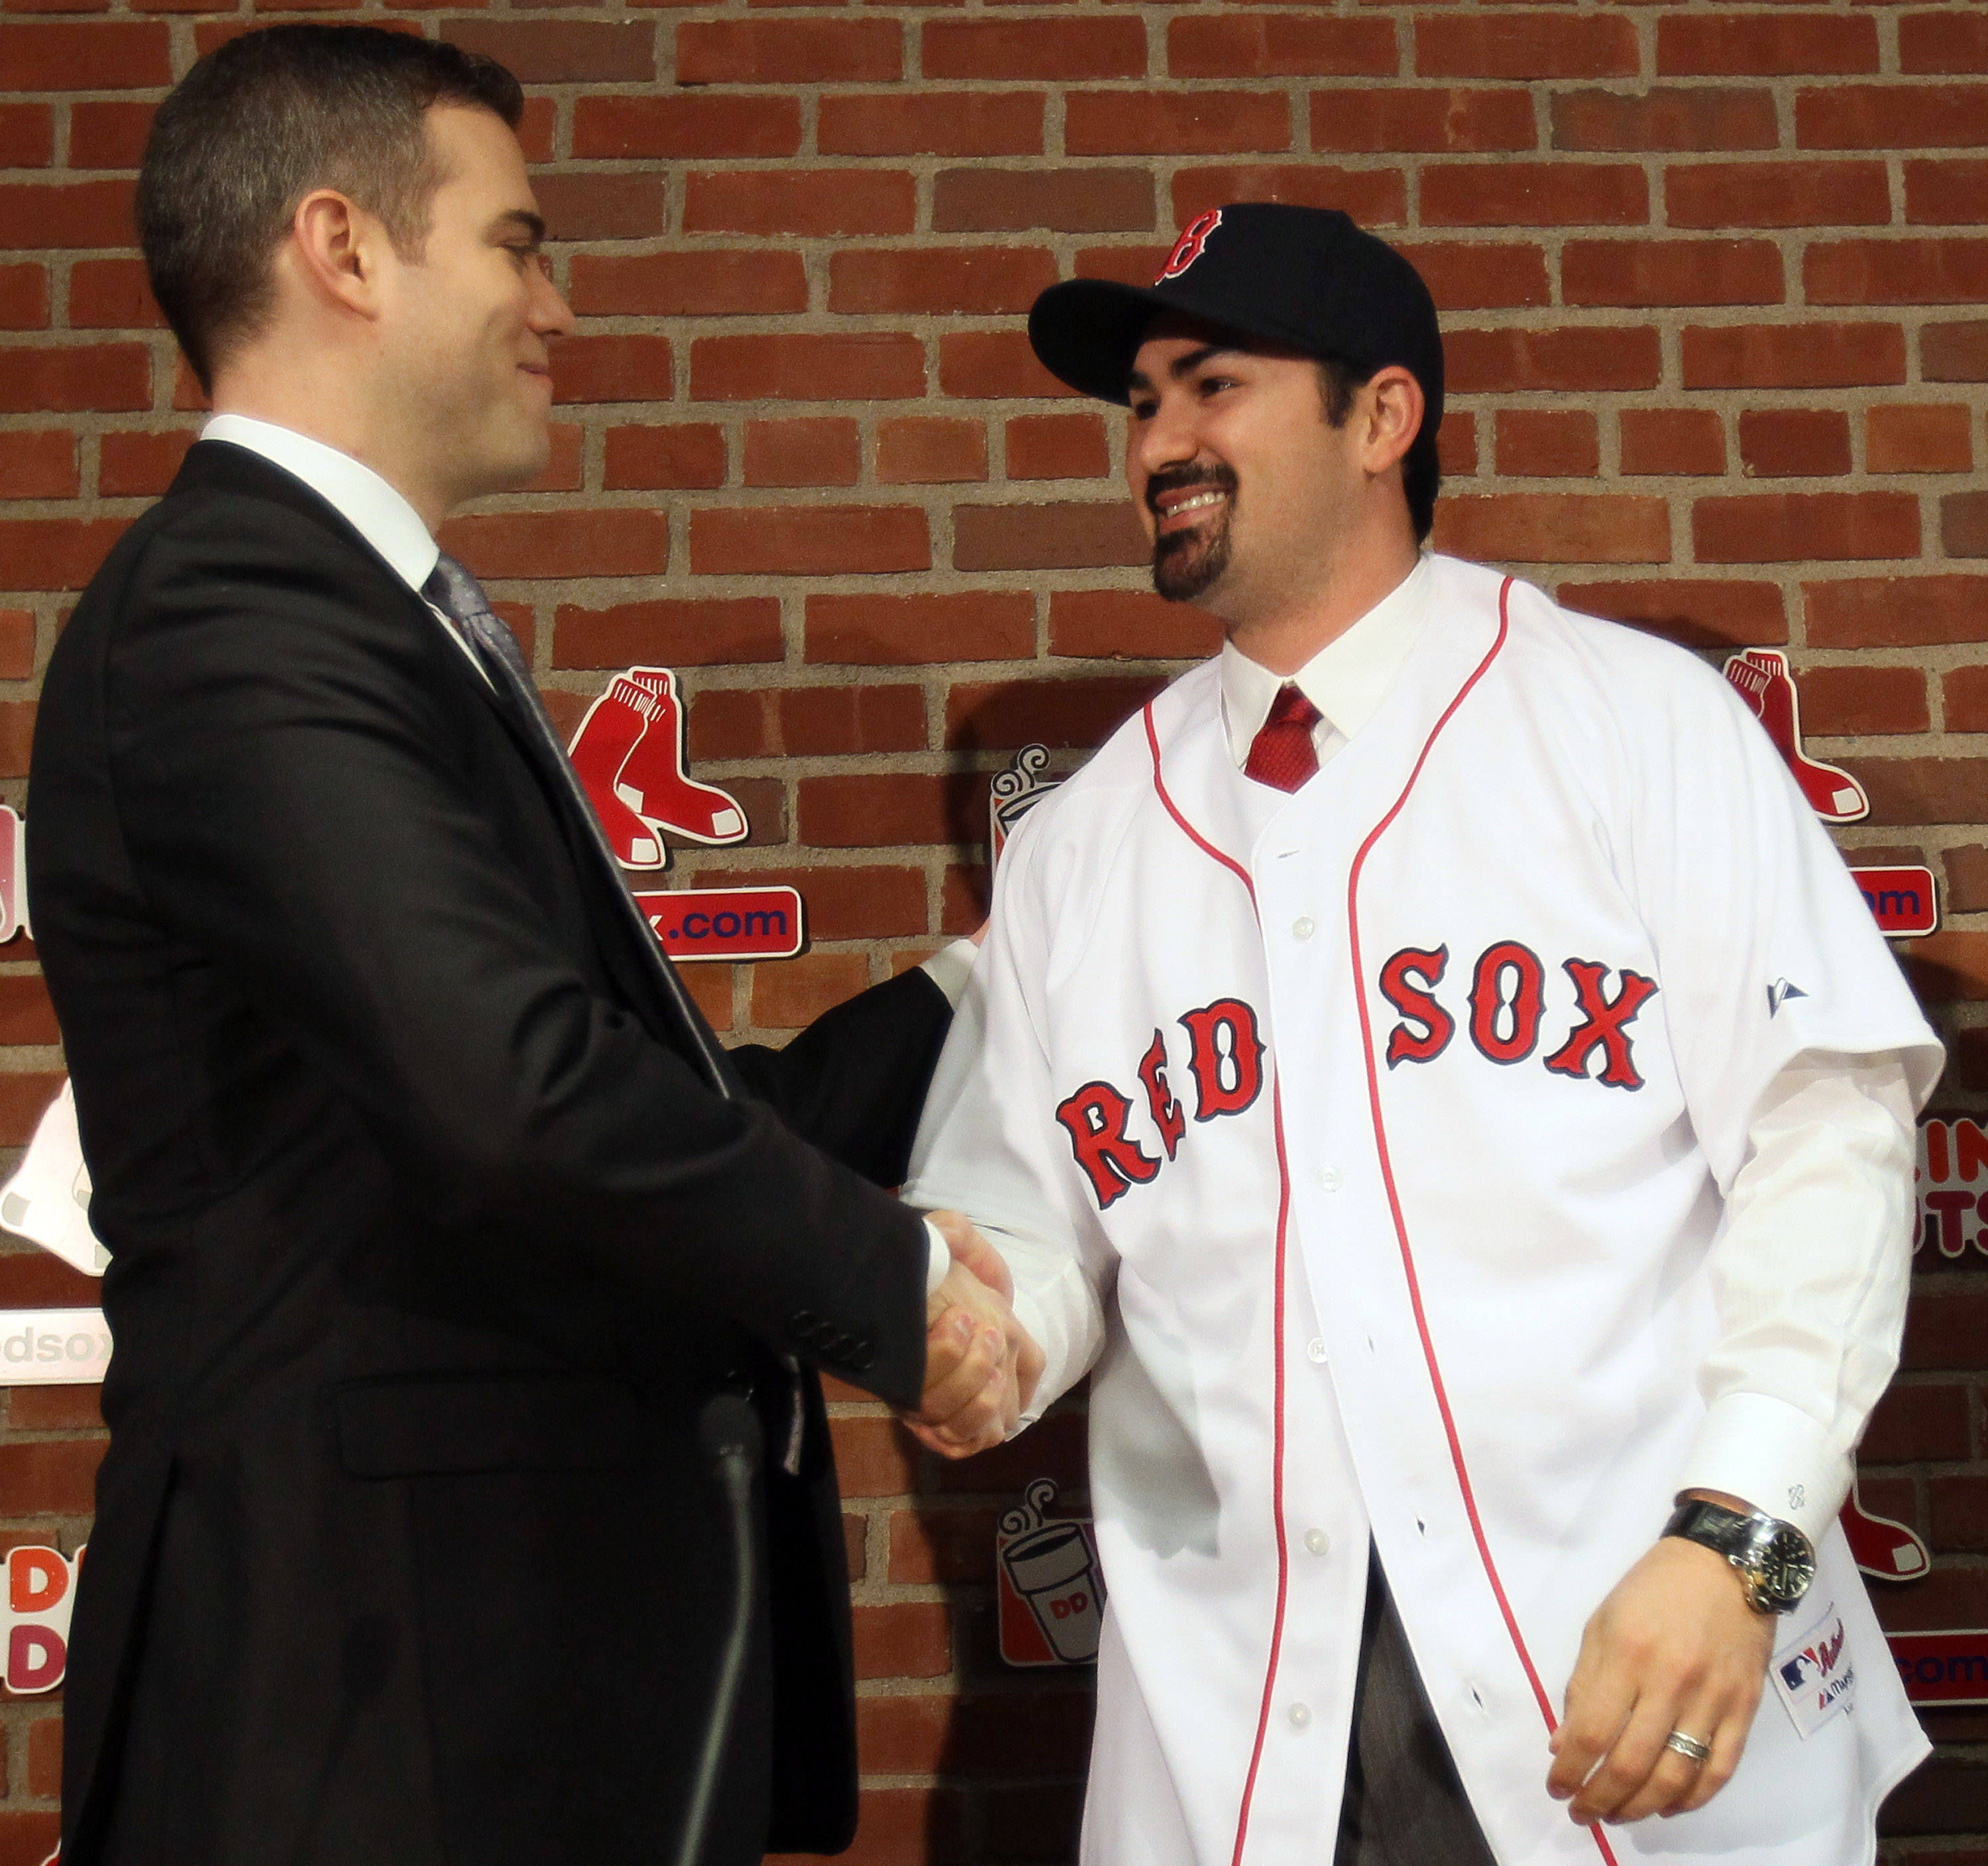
(1217, 477)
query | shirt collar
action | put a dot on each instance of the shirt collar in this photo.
(365, 500)
(1345, 679)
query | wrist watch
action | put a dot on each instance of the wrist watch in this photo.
(1776, 1560)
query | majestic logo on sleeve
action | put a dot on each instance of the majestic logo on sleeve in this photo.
(1505, 1011)
(1225, 1061)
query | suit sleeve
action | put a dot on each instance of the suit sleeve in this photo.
(284, 740)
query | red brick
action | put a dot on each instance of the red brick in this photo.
(111, 294)
(1849, 702)
(1652, 272)
(1478, 275)
(1534, 194)
(1526, 45)
(24, 1095)
(904, 1735)
(1039, 1733)
(29, 1279)
(1033, 48)
(27, 1838)
(104, 134)
(939, 279)
(51, 1477)
(1964, 705)
(1057, 447)
(678, 454)
(1063, 200)
(562, 51)
(1913, 1422)
(791, 995)
(808, 540)
(1280, 45)
(64, 214)
(1079, 535)
(1554, 528)
(45, 1749)
(711, 985)
(1966, 893)
(17, 735)
(878, 812)
(1376, 119)
(894, 631)
(618, 541)
(535, 128)
(1548, 442)
(1456, 443)
(824, 452)
(74, 376)
(1673, 118)
(1807, 194)
(603, 205)
(1896, 272)
(1947, 1331)
(1895, 612)
(1672, 441)
(54, 553)
(667, 632)
(814, 201)
(1802, 356)
(1129, 625)
(38, 464)
(1930, 43)
(26, 1015)
(931, 123)
(1134, 265)
(905, 1639)
(977, 364)
(753, 123)
(56, 1409)
(1947, 193)
(617, 368)
(1184, 123)
(697, 284)
(1765, 44)
(28, 137)
(1581, 359)
(24, 299)
(925, 450)
(17, 649)
(1963, 524)
(1373, 197)
(805, 367)
(1931, 438)
(789, 52)
(1780, 443)
(1698, 612)
(1892, 117)
(1786, 527)
(1954, 353)
(1004, 715)
(861, 903)
(1960, 1512)
(119, 56)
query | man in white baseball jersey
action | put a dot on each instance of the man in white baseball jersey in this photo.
(1432, 1070)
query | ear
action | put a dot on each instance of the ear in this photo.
(336, 251)
(1392, 406)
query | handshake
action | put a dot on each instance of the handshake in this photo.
(981, 1365)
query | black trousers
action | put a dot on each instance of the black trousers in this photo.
(1404, 1805)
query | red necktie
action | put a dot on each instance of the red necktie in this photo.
(1282, 754)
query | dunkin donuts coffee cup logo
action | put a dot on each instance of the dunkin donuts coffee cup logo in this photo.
(1052, 1594)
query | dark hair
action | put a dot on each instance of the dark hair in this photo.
(1421, 473)
(260, 123)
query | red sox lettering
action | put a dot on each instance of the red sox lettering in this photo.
(1225, 1058)
(1507, 1009)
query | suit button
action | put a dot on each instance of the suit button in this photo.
(863, 1358)
(802, 1321)
(826, 1336)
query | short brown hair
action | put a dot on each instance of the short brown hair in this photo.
(259, 123)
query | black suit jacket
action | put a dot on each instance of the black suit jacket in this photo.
(429, 1244)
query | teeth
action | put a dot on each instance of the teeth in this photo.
(1190, 505)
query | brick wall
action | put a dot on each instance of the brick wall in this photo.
(1712, 278)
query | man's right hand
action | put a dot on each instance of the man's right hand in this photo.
(981, 1365)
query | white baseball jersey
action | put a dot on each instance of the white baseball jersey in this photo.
(1371, 1142)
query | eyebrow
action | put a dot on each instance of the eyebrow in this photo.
(520, 218)
(1184, 366)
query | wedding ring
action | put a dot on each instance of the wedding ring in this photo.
(1689, 1747)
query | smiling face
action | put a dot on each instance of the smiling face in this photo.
(464, 339)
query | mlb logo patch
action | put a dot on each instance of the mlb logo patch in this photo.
(1813, 1675)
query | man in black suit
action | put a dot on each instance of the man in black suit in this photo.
(437, 1213)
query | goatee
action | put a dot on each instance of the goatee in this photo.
(1188, 562)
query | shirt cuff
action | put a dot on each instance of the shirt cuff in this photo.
(951, 966)
(938, 1262)
(1772, 1455)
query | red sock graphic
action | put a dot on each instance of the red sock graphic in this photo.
(1759, 676)
(654, 783)
(610, 730)
(1882, 1547)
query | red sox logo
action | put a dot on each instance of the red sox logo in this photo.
(1186, 249)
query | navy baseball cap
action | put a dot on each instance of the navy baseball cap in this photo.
(1307, 279)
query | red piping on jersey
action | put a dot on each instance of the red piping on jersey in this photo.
(1277, 1335)
(1393, 1196)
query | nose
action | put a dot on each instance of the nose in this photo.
(550, 315)
(1167, 438)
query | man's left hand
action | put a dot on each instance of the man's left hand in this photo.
(1675, 1647)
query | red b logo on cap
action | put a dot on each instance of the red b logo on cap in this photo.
(1186, 249)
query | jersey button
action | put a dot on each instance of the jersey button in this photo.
(1328, 1177)
(1300, 1715)
(1303, 926)
(1317, 1541)
(1315, 1349)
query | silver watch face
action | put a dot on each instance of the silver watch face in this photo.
(1781, 1566)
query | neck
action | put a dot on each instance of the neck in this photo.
(1284, 635)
